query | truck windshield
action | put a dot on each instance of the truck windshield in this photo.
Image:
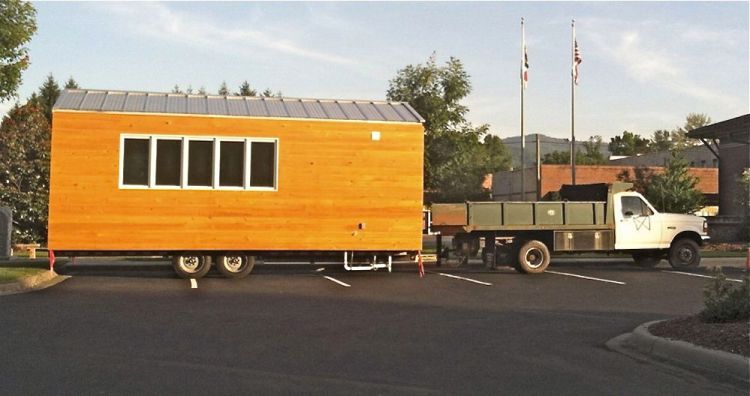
(635, 206)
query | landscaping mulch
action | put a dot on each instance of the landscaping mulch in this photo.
(731, 337)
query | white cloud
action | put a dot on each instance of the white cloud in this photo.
(159, 22)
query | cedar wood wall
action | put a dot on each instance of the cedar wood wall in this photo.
(332, 176)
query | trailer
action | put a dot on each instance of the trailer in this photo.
(590, 218)
(222, 180)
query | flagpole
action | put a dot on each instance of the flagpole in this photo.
(523, 138)
(573, 105)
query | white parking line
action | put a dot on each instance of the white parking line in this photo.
(698, 275)
(586, 277)
(461, 278)
(193, 284)
(337, 281)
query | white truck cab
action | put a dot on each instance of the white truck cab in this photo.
(651, 236)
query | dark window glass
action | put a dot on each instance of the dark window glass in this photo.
(262, 164)
(135, 162)
(168, 162)
(231, 164)
(200, 163)
(635, 206)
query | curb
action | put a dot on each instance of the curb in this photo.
(687, 354)
(32, 283)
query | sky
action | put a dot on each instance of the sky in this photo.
(646, 65)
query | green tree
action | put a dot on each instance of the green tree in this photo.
(661, 140)
(246, 90)
(176, 89)
(223, 89)
(592, 154)
(641, 178)
(267, 93)
(692, 121)
(17, 26)
(457, 159)
(628, 144)
(24, 171)
(71, 84)
(47, 96)
(557, 158)
(202, 90)
(674, 190)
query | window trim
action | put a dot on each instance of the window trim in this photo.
(185, 139)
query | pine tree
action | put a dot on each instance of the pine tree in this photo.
(176, 89)
(71, 84)
(47, 96)
(246, 90)
(223, 90)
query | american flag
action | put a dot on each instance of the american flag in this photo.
(577, 59)
(525, 69)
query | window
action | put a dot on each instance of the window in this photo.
(200, 163)
(185, 162)
(232, 164)
(263, 164)
(168, 162)
(634, 206)
(135, 162)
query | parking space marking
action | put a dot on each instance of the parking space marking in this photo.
(193, 284)
(461, 278)
(586, 277)
(698, 275)
(334, 280)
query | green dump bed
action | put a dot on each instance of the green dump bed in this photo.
(573, 213)
(520, 215)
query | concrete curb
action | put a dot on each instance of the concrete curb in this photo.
(687, 354)
(32, 283)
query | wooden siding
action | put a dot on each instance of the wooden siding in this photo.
(331, 177)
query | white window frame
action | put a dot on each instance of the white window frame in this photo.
(186, 139)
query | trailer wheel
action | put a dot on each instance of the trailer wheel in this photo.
(191, 266)
(533, 258)
(235, 266)
(647, 258)
(684, 253)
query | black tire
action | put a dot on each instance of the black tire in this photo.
(235, 266)
(533, 258)
(684, 253)
(190, 266)
(647, 258)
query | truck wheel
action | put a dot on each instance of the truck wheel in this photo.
(533, 258)
(191, 266)
(684, 253)
(235, 266)
(646, 258)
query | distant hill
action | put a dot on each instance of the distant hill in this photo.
(548, 144)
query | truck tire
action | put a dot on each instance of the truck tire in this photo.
(647, 258)
(191, 266)
(533, 258)
(235, 266)
(684, 253)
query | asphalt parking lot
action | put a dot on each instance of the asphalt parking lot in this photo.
(123, 327)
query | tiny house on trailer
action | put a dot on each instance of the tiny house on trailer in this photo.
(223, 179)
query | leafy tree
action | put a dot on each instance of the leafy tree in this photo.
(456, 158)
(24, 171)
(71, 84)
(591, 154)
(641, 178)
(176, 89)
(661, 140)
(17, 25)
(47, 96)
(674, 190)
(246, 90)
(557, 158)
(692, 121)
(628, 144)
(223, 89)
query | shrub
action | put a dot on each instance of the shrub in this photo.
(724, 301)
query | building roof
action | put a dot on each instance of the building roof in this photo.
(733, 130)
(235, 106)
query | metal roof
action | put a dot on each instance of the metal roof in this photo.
(235, 106)
(735, 130)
